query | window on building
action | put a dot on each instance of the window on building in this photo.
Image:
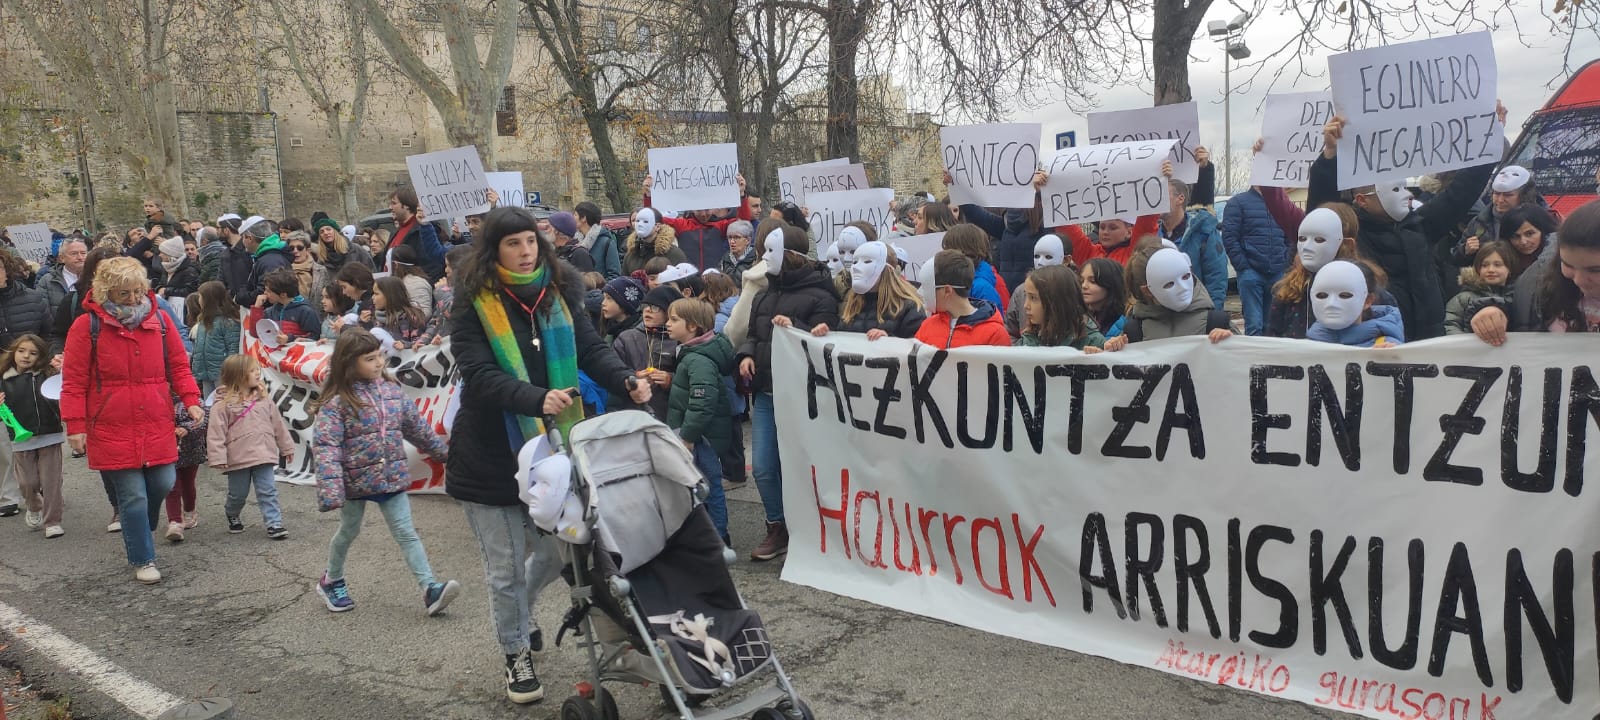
(608, 33)
(505, 112)
(641, 35)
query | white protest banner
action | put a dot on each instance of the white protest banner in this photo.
(1291, 134)
(1179, 122)
(831, 211)
(991, 165)
(449, 183)
(1416, 108)
(294, 374)
(797, 182)
(1099, 182)
(1396, 533)
(919, 249)
(508, 185)
(32, 241)
(694, 177)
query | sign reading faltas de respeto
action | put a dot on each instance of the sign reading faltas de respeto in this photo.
(1417, 108)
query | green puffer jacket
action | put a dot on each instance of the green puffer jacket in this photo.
(698, 406)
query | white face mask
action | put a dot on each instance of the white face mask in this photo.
(1396, 200)
(1321, 234)
(850, 239)
(925, 285)
(772, 251)
(1048, 251)
(1339, 295)
(1170, 280)
(644, 224)
(831, 257)
(871, 259)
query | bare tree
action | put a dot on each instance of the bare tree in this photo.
(468, 106)
(336, 74)
(116, 69)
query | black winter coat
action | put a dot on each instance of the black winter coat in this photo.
(576, 256)
(1013, 255)
(904, 324)
(236, 266)
(183, 281)
(805, 295)
(35, 411)
(483, 462)
(23, 310)
(264, 263)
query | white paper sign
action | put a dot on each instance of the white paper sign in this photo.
(508, 185)
(831, 211)
(796, 183)
(919, 250)
(1282, 517)
(450, 183)
(1416, 108)
(991, 165)
(1179, 122)
(1291, 134)
(1101, 182)
(32, 241)
(695, 177)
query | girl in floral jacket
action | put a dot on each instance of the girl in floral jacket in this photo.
(363, 421)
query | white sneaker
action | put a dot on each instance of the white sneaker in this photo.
(175, 532)
(115, 526)
(33, 519)
(147, 574)
(54, 531)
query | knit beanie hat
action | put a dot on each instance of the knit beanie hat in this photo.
(626, 292)
(565, 222)
(662, 297)
(172, 247)
(316, 227)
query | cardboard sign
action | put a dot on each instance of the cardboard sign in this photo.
(696, 177)
(1417, 108)
(32, 241)
(1100, 182)
(831, 211)
(508, 185)
(991, 165)
(920, 249)
(1180, 123)
(449, 183)
(1281, 517)
(797, 182)
(1291, 134)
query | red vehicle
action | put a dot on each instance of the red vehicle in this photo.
(1560, 144)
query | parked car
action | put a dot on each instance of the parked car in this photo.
(1560, 143)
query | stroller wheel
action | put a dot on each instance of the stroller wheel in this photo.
(577, 708)
(608, 704)
(795, 710)
(693, 701)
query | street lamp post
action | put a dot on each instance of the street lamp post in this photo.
(1230, 35)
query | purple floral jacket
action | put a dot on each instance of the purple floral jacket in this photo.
(360, 452)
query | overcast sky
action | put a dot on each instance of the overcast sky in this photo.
(1523, 74)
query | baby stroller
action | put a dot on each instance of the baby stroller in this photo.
(652, 599)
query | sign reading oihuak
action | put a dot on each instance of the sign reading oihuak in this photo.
(1400, 533)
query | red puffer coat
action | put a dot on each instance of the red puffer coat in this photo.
(121, 393)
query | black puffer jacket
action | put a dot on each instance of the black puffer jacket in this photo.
(903, 324)
(265, 263)
(805, 295)
(483, 463)
(183, 281)
(36, 412)
(235, 267)
(23, 310)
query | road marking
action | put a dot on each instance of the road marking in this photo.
(104, 676)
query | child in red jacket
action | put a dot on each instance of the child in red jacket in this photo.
(960, 321)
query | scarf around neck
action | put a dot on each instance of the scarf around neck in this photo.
(554, 338)
(129, 316)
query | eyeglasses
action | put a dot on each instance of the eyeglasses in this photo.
(297, 248)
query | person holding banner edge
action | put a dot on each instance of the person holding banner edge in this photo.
(520, 337)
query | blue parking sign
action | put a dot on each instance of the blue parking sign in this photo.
(1066, 139)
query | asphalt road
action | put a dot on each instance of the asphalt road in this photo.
(235, 617)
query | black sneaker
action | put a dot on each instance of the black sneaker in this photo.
(235, 526)
(9, 510)
(275, 532)
(522, 684)
(536, 640)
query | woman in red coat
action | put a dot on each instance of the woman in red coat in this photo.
(124, 362)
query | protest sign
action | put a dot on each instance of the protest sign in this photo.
(695, 177)
(919, 249)
(795, 183)
(449, 183)
(1180, 122)
(991, 165)
(508, 185)
(1291, 138)
(1285, 517)
(294, 374)
(32, 241)
(1100, 182)
(1416, 108)
(831, 211)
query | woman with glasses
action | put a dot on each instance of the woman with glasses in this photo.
(311, 274)
(742, 254)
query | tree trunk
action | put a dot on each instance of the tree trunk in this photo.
(616, 178)
(844, 94)
(1171, 39)
(345, 181)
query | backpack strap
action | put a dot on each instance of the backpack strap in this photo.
(94, 350)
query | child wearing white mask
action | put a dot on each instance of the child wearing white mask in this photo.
(878, 301)
(650, 239)
(1325, 234)
(1048, 251)
(1168, 301)
(1342, 299)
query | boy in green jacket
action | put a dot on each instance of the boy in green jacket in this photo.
(698, 406)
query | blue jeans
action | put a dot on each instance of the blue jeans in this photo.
(397, 513)
(710, 464)
(1255, 294)
(765, 463)
(518, 562)
(261, 476)
(140, 493)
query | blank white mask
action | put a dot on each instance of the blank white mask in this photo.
(1321, 234)
(772, 251)
(1048, 251)
(1170, 279)
(871, 259)
(1339, 295)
